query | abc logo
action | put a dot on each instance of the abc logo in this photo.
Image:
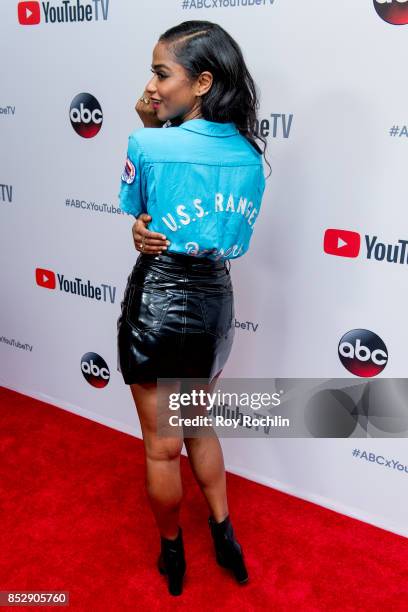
(392, 11)
(95, 370)
(362, 352)
(85, 115)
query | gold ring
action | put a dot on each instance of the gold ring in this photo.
(144, 99)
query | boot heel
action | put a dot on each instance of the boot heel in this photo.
(240, 571)
(171, 562)
(228, 552)
(176, 583)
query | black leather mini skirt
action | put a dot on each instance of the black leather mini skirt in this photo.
(176, 318)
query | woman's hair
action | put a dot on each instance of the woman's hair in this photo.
(203, 45)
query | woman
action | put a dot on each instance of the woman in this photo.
(177, 312)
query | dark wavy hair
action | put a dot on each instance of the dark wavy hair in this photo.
(233, 97)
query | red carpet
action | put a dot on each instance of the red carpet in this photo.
(75, 517)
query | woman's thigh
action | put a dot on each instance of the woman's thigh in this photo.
(146, 396)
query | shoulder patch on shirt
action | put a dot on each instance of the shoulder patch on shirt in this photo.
(129, 172)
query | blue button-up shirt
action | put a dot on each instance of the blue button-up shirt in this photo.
(202, 182)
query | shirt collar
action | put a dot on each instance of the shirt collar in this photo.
(209, 128)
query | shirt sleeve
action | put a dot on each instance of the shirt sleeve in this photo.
(132, 194)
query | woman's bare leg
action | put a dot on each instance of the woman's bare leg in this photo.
(207, 463)
(162, 456)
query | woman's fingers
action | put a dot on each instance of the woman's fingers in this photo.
(151, 250)
(146, 112)
(142, 229)
(139, 227)
(152, 238)
(147, 241)
(147, 248)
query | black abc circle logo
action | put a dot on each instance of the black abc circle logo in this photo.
(85, 114)
(392, 11)
(362, 352)
(95, 370)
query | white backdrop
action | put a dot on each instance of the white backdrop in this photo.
(334, 74)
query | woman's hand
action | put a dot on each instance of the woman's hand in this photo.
(146, 241)
(147, 113)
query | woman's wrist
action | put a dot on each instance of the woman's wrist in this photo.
(153, 125)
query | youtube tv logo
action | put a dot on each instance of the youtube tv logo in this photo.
(28, 13)
(67, 11)
(343, 243)
(45, 278)
(75, 286)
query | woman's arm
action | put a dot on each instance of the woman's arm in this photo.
(153, 241)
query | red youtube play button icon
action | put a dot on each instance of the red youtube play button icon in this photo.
(343, 243)
(45, 278)
(28, 13)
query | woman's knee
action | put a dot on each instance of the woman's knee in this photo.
(163, 449)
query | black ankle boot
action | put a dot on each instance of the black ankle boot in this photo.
(228, 551)
(171, 561)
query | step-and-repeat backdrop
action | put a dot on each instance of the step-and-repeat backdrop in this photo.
(322, 291)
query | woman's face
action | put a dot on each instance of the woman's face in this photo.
(170, 87)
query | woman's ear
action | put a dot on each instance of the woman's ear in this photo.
(205, 81)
